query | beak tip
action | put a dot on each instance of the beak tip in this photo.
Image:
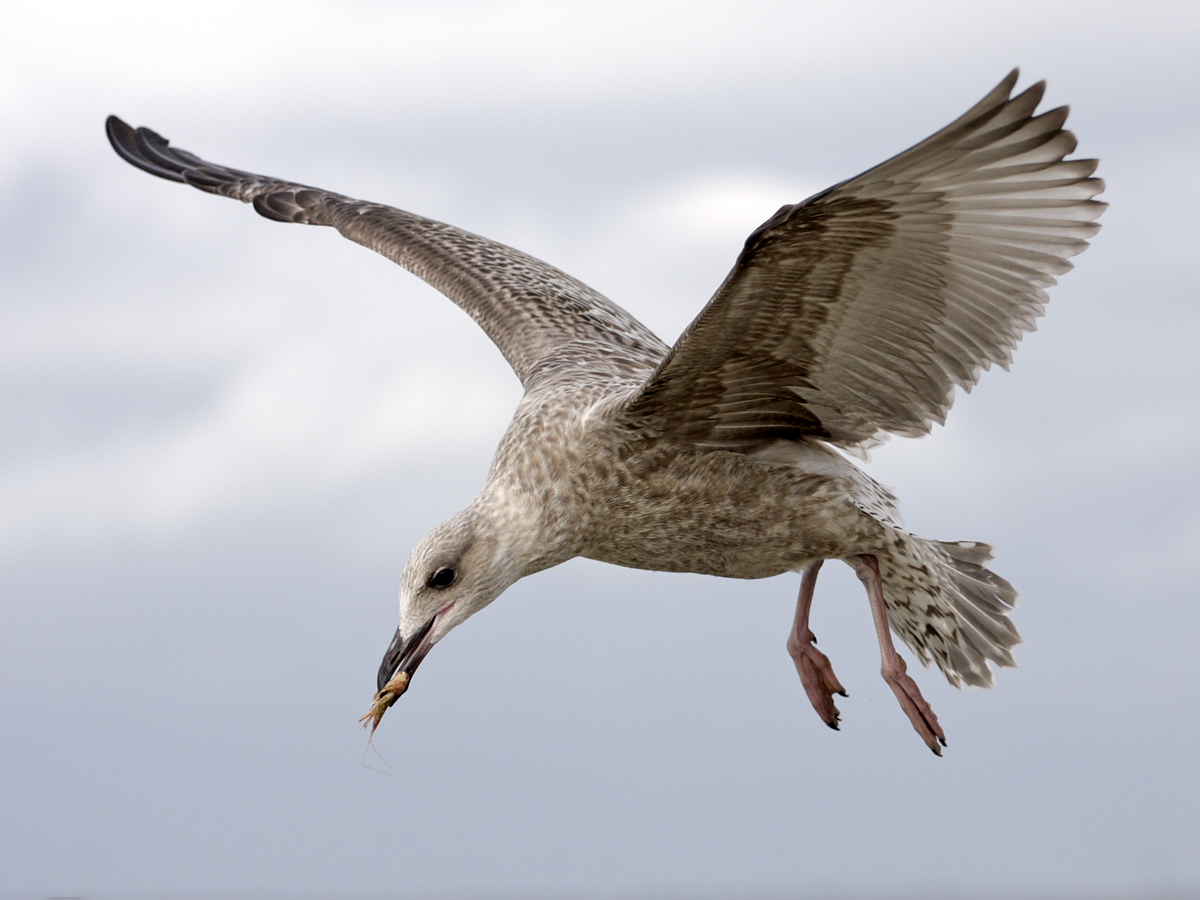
(403, 656)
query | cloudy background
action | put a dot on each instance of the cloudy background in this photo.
(220, 436)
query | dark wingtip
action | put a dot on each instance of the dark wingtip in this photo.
(124, 139)
(114, 125)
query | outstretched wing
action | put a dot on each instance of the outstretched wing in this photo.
(856, 312)
(539, 317)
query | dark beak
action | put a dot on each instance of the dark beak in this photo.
(401, 660)
(405, 655)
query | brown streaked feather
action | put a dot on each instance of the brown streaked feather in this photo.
(539, 317)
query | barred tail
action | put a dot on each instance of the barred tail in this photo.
(948, 608)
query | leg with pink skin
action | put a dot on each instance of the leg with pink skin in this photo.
(894, 670)
(816, 674)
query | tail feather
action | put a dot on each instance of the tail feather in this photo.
(949, 608)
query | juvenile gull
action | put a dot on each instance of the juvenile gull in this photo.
(847, 317)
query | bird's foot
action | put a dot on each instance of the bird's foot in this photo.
(918, 711)
(816, 674)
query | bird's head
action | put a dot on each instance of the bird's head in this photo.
(453, 572)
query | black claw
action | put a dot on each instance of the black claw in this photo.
(842, 694)
(937, 751)
(944, 744)
(834, 725)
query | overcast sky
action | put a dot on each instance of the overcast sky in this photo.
(220, 436)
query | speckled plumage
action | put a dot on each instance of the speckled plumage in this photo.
(847, 317)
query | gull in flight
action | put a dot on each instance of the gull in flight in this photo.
(846, 318)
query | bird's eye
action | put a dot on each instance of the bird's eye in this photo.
(443, 578)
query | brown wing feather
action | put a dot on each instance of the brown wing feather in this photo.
(541, 318)
(857, 312)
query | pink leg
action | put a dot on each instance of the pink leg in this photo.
(816, 674)
(894, 670)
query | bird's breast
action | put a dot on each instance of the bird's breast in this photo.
(658, 507)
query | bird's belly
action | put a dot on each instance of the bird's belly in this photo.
(717, 514)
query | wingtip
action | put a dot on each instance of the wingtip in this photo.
(124, 140)
(120, 134)
(1007, 83)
